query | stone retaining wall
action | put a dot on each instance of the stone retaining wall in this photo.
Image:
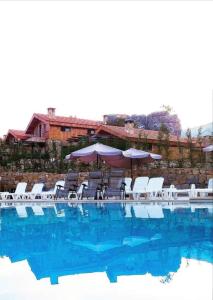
(181, 178)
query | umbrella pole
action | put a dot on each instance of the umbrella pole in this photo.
(97, 161)
(131, 169)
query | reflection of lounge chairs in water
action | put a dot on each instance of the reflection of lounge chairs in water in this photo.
(92, 211)
(37, 210)
(155, 211)
(173, 207)
(115, 211)
(140, 211)
(148, 211)
(197, 207)
(128, 210)
(21, 211)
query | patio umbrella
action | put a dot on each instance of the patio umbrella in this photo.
(208, 148)
(131, 156)
(95, 153)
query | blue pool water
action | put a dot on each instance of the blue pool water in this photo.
(106, 251)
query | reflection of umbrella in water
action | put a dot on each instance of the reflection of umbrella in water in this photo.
(95, 153)
(133, 241)
(131, 156)
(98, 247)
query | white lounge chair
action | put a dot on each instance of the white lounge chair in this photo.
(205, 191)
(155, 187)
(139, 187)
(172, 192)
(52, 193)
(3, 195)
(127, 182)
(80, 190)
(36, 191)
(20, 189)
(21, 211)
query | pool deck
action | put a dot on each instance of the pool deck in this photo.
(141, 200)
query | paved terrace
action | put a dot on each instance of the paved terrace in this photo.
(182, 200)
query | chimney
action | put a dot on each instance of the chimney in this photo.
(105, 119)
(51, 111)
(129, 126)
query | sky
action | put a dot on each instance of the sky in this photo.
(91, 58)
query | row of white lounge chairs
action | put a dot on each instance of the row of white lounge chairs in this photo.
(153, 188)
(143, 186)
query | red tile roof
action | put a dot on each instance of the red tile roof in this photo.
(63, 121)
(135, 133)
(19, 135)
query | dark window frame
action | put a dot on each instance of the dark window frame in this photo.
(66, 129)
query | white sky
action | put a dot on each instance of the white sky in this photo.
(92, 58)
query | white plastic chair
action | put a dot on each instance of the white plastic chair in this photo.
(172, 193)
(128, 182)
(36, 191)
(20, 190)
(205, 191)
(52, 193)
(139, 187)
(80, 190)
(155, 187)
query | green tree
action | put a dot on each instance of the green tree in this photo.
(190, 145)
(200, 142)
(167, 108)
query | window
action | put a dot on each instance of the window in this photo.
(39, 130)
(65, 129)
(90, 131)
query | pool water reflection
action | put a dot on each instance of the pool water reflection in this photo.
(119, 247)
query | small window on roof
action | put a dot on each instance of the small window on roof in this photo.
(65, 129)
(90, 131)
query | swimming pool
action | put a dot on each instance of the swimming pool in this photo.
(106, 251)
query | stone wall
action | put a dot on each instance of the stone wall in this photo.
(9, 180)
(180, 177)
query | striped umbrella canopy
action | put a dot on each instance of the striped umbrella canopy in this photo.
(95, 152)
(133, 153)
(208, 148)
(132, 156)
